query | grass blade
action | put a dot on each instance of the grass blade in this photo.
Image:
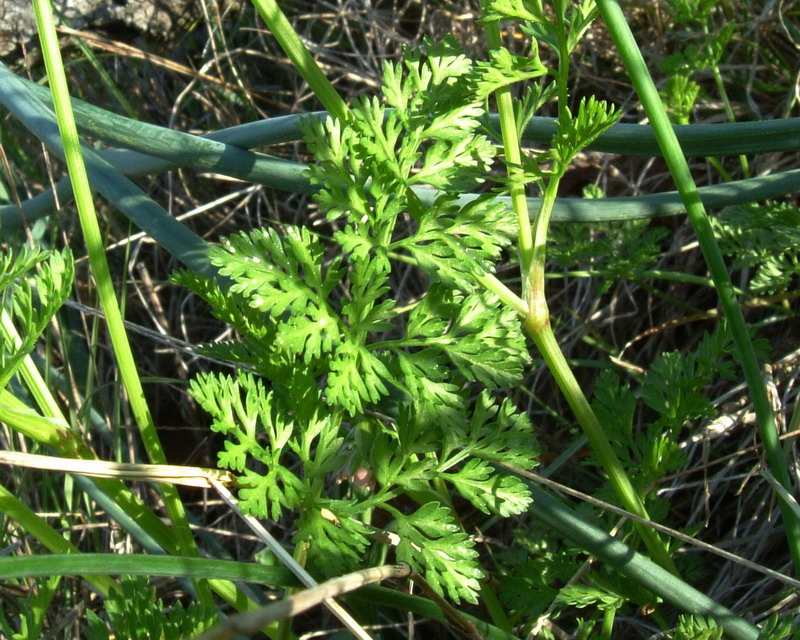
(35, 526)
(93, 238)
(90, 564)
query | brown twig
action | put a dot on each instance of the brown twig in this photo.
(252, 621)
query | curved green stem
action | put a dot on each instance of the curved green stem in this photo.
(511, 147)
(104, 282)
(301, 58)
(546, 343)
(537, 321)
(552, 513)
(645, 88)
(175, 149)
(697, 140)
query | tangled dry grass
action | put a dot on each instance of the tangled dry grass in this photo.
(226, 69)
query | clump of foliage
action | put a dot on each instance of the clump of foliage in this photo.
(135, 613)
(34, 284)
(764, 238)
(378, 420)
(354, 383)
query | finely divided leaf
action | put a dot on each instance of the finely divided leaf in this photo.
(485, 342)
(232, 310)
(529, 10)
(356, 376)
(575, 132)
(284, 277)
(505, 69)
(456, 166)
(311, 335)
(488, 490)
(454, 243)
(31, 299)
(258, 427)
(500, 433)
(437, 548)
(337, 541)
(277, 275)
(264, 271)
(264, 494)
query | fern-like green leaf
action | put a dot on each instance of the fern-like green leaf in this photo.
(258, 428)
(356, 376)
(437, 548)
(488, 490)
(337, 541)
(505, 68)
(31, 299)
(575, 132)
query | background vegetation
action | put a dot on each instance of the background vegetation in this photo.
(631, 303)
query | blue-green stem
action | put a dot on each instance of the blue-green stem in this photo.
(20, 96)
(654, 108)
(553, 514)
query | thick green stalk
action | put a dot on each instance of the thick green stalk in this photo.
(759, 136)
(553, 514)
(93, 564)
(302, 59)
(545, 341)
(104, 282)
(20, 96)
(651, 101)
(533, 245)
(537, 326)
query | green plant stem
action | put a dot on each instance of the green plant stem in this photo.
(562, 77)
(301, 58)
(645, 88)
(92, 564)
(104, 282)
(38, 388)
(553, 514)
(538, 312)
(725, 100)
(20, 96)
(537, 326)
(537, 321)
(35, 526)
(608, 624)
(546, 343)
(697, 140)
(511, 147)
